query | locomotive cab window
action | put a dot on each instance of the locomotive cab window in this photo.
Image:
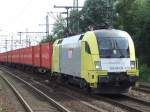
(113, 46)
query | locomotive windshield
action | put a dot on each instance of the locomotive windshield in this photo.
(113, 43)
(113, 47)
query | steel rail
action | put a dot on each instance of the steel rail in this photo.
(146, 103)
(141, 89)
(21, 99)
(144, 84)
(117, 103)
(123, 105)
(83, 102)
(50, 100)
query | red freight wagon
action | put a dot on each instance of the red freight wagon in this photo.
(21, 55)
(0, 57)
(37, 56)
(46, 55)
(17, 52)
(4, 57)
(27, 56)
(9, 55)
(15, 56)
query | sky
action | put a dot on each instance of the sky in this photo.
(27, 15)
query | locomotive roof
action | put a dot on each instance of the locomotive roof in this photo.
(99, 33)
(111, 33)
(71, 39)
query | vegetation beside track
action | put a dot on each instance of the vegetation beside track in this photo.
(145, 73)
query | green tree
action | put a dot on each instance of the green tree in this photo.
(59, 28)
(134, 17)
(125, 10)
(47, 39)
(142, 31)
(58, 31)
(95, 13)
(73, 21)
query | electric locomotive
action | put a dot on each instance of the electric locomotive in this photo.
(102, 60)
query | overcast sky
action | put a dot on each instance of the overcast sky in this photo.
(19, 15)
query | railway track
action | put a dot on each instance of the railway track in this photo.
(70, 102)
(44, 102)
(144, 84)
(123, 101)
(127, 102)
(142, 89)
(19, 96)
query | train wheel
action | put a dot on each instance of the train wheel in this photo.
(85, 86)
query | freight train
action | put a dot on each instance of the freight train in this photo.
(102, 60)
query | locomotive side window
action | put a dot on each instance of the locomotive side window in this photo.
(87, 48)
(60, 41)
(81, 37)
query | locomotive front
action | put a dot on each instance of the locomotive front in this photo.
(117, 61)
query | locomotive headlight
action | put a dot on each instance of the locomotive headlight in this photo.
(132, 64)
(97, 64)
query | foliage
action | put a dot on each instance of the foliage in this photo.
(144, 73)
(94, 13)
(59, 27)
(142, 25)
(59, 30)
(47, 39)
(125, 14)
(73, 21)
(134, 17)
